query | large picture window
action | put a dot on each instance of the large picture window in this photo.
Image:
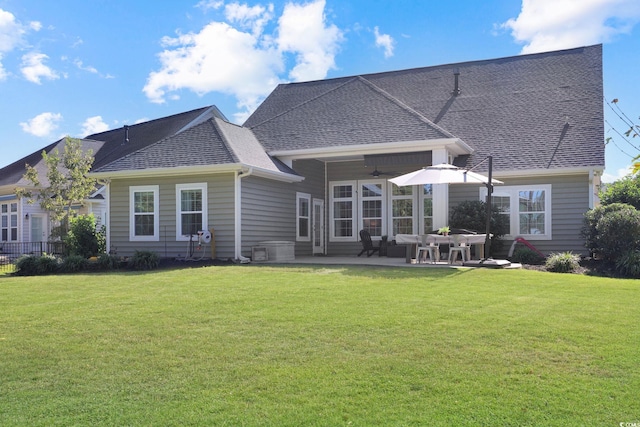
(426, 197)
(528, 208)
(144, 213)
(191, 210)
(372, 207)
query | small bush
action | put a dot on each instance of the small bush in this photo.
(74, 264)
(628, 264)
(107, 262)
(144, 260)
(33, 265)
(526, 256)
(565, 262)
(83, 237)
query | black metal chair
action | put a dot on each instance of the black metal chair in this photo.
(367, 244)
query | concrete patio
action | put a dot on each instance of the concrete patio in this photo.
(374, 260)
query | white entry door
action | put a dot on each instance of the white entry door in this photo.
(38, 228)
(318, 226)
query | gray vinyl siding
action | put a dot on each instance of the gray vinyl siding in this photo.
(268, 212)
(220, 205)
(313, 184)
(569, 202)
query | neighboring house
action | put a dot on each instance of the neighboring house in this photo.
(311, 164)
(24, 222)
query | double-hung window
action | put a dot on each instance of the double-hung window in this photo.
(372, 202)
(303, 215)
(9, 222)
(343, 211)
(191, 210)
(402, 202)
(144, 213)
(426, 197)
(528, 209)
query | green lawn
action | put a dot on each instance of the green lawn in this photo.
(325, 346)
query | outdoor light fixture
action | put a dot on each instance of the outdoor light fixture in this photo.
(26, 216)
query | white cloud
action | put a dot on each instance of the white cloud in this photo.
(34, 69)
(210, 4)
(304, 32)
(35, 25)
(545, 25)
(78, 63)
(241, 58)
(254, 18)
(42, 124)
(93, 125)
(11, 33)
(619, 174)
(384, 41)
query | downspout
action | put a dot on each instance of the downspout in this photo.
(238, 213)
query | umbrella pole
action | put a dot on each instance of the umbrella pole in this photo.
(487, 239)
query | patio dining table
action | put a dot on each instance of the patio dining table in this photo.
(414, 240)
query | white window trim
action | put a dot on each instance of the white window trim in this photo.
(383, 207)
(307, 197)
(354, 211)
(9, 215)
(202, 186)
(156, 213)
(512, 192)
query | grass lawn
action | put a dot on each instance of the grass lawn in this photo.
(325, 346)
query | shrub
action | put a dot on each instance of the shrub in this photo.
(526, 256)
(565, 262)
(107, 262)
(144, 260)
(618, 231)
(594, 240)
(472, 215)
(628, 264)
(74, 263)
(33, 265)
(82, 238)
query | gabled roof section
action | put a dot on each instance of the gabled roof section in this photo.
(214, 142)
(539, 111)
(141, 135)
(336, 113)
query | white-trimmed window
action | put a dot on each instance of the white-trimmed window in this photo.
(9, 222)
(191, 209)
(303, 215)
(528, 207)
(372, 205)
(343, 211)
(402, 204)
(426, 203)
(144, 213)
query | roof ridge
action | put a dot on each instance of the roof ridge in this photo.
(405, 106)
(223, 136)
(307, 101)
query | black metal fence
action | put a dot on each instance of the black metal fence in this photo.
(11, 251)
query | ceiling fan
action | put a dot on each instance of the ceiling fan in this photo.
(376, 173)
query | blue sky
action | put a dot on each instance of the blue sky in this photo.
(75, 67)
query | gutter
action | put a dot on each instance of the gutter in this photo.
(244, 173)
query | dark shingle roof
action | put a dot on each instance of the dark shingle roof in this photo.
(146, 133)
(513, 108)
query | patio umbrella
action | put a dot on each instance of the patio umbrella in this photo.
(448, 174)
(442, 174)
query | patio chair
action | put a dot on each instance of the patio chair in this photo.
(430, 248)
(461, 247)
(367, 244)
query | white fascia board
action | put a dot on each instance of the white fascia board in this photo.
(276, 175)
(161, 172)
(199, 170)
(548, 172)
(453, 145)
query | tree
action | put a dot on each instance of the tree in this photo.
(67, 184)
(632, 131)
(625, 190)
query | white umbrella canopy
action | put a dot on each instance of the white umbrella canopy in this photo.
(442, 174)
